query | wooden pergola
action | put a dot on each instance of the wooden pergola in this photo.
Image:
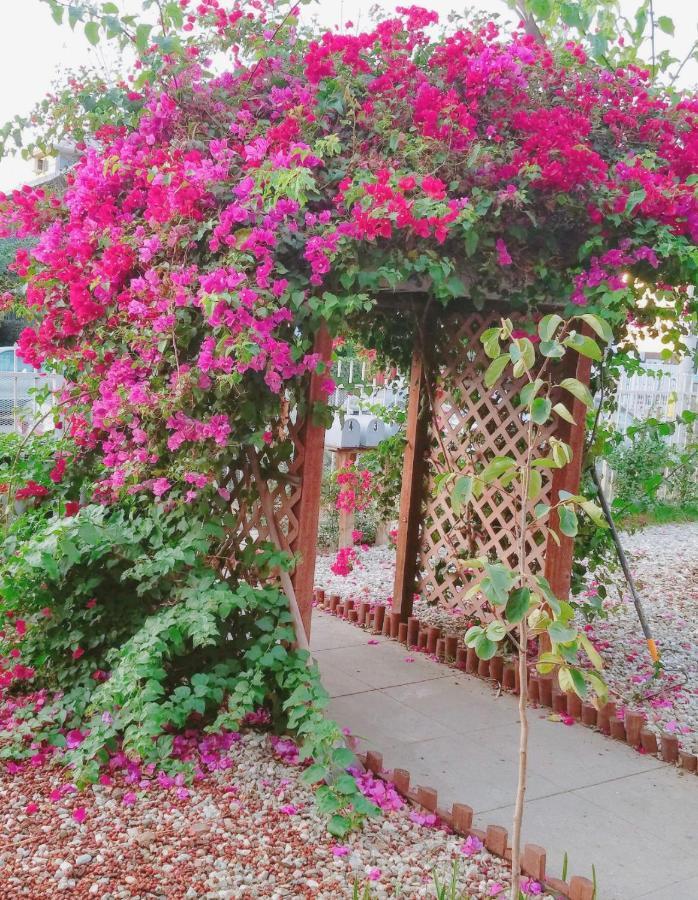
(453, 422)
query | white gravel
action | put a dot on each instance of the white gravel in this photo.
(664, 560)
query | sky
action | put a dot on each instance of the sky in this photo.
(34, 50)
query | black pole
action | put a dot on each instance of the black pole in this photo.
(652, 646)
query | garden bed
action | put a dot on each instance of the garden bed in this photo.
(249, 828)
(664, 559)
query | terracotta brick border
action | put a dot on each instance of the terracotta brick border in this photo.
(543, 689)
(495, 838)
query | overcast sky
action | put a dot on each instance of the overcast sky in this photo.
(34, 50)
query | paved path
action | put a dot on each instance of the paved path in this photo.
(632, 817)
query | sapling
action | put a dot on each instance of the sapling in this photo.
(522, 602)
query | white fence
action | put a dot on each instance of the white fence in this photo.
(20, 409)
(664, 396)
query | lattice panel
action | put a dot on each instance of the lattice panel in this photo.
(282, 467)
(470, 424)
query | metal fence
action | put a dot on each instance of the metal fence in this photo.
(20, 406)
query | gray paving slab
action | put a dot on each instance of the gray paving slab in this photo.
(630, 816)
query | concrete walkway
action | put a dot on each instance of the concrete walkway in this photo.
(634, 818)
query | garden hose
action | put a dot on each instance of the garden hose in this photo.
(651, 644)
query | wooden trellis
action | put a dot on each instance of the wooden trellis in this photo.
(293, 472)
(455, 423)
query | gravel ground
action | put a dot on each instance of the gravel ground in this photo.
(664, 560)
(249, 830)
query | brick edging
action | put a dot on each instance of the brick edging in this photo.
(543, 691)
(495, 838)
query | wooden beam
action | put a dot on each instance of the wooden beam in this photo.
(559, 559)
(307, 509)
(412, 492)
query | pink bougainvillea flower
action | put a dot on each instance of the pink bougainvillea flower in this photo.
(31, 808)
(373, 642)
(129, 798)
(288, 809)
(374, 874)
(80, 814)
(471, 846)
(78, 652)
(496, 889)
(530, 888)
(503, 257)
(409, 659)
(340, 851)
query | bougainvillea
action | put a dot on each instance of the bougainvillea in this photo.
(220, 215)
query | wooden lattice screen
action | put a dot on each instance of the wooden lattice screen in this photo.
(453, 422)
(292, 469)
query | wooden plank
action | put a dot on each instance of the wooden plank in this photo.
(307, 509)
(558, 560)
(411, 494)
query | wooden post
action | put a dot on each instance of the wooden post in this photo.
(307, 509)
(558, 559)
(413, 475)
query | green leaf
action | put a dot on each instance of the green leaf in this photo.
(552, 349)
(568, 521)
(495, 369)
(591, 651)
(517, 605)
(585, 345)
(578, 390)
(579, 685)
(548, 325)
(338, 826)
(529, 391)
(462, 492)
(541, 9)
(496, 467)
(497, 583)
(540, 410)
(472, 635)
(599, 325)
(561, 634)
(343, 757)
(665, 24)
(92, 32)
(564, 413)
(634, 198)
(535, 483)
(496, 631)
(313, 774)
(143, 37)
(485, 648)
(541, 509)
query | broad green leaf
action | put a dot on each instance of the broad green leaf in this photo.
(548, 325)
(92, 32)
(485, 648)
(665, 24)
(496, 631)
(578, 390)
(535, 483)
(568, 521)
(540, 410)
(585, 345)
(561, 634)
(600, 326)
(541, 509)
(338, 826)
(552, 349)
(472, 634)
(313, 774)
(517, 605)
(634, 198)
(564, 413)
(143, 37)
(497, 583)
(462, 492)
(529, 391)
(564, 679)
(541, 9)
(526, 352)
(495, 369)
(496, 467)
(591, 651)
